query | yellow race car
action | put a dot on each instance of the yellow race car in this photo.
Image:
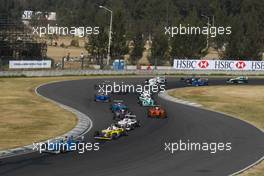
(112, 132)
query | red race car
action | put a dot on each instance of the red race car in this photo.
(157, 112)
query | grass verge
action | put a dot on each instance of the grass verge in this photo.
(245, 102)
(26, 117)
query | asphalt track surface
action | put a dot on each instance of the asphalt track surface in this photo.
(142, 152)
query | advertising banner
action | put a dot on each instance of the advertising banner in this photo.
(28, 14)
(22, 64)
(223, 65)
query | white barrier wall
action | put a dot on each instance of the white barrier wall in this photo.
(222, 65)
(134, 67)
(38, 73)
(23, 64)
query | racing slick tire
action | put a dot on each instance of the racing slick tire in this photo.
(114, 136)
(149, 116)
(125, 133)
(96, 133)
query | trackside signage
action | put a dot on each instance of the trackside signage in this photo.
(218, 65)
(23, 64)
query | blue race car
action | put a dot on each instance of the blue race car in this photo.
(118, 105)
(199, 82)
(187, 80)
(102, 97)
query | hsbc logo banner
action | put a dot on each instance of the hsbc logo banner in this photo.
(204, 64)
(224, 65)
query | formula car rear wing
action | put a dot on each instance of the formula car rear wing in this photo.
(102, 138)
(130, 116)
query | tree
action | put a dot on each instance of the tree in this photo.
(145, 18)
(119, 45)
(97, 46)
(246, 40)
(138, 49)
(188, 45)
(160, 49)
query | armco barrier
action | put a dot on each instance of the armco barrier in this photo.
(40, 73)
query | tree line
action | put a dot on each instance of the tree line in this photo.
(141, 20)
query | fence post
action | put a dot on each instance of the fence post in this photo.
(82, 63)
(62, 63)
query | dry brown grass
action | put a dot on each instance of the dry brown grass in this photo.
(245, 102)
(57, 53)
(27, 118)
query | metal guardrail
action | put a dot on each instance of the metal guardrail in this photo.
(47, 73)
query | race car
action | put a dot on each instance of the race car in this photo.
(145, 94)
(155, 81)
(238, 80)
(118, 105)
(112, 132)
(157, 112)
(146, 101)
(129, 122)
(61, 145)
(120, 114)
(151, 82)
(102, 97)
(188, 80)
(161, 80)
(199, 82)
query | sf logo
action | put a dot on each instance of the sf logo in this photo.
(203, 64)
(240, 65)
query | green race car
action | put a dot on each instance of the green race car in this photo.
(146, 101)
(238, 80)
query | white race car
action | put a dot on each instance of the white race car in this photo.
(156, 80)
(145, 94)
(161, 80)
(129, 122)
(151, 82)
